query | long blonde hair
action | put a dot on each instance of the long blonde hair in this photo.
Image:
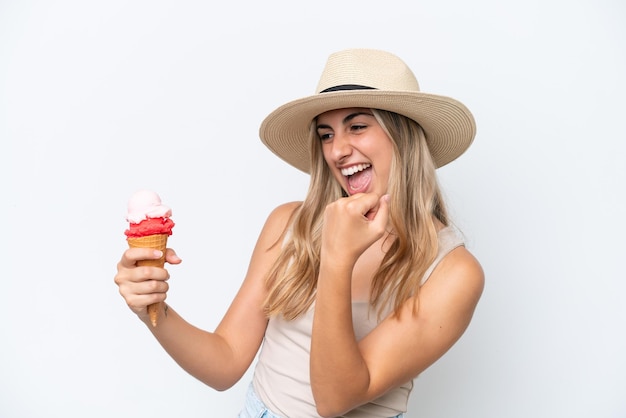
(415, 200)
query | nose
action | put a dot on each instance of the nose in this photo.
(341, 147)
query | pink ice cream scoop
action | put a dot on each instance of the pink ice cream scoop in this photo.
(147, 215)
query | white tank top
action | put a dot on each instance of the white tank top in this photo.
(281, 376)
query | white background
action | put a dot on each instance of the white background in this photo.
(99, 99)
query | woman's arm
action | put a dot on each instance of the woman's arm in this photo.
(218, 358)
(346, 373)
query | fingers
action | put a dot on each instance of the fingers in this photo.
(141, 286)
(139, 295)
(379, 215)
(372, 207)
(361, 204)
(380, 203)
(354, 223)
(132, 255)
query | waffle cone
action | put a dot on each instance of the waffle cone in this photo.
(158, 242)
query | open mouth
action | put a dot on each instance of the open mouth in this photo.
(358, 177)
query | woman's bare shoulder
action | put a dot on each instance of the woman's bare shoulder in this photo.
(460, 273)
(285, 210)
(278, 221)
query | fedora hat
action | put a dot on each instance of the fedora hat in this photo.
(372, 79)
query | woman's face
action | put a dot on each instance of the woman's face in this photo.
(356, 149)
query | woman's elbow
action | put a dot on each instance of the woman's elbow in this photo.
(332, 408)
(326, 412)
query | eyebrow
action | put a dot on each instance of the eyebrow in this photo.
(346, 119)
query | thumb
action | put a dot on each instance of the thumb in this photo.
(171, 256)
(381, 218)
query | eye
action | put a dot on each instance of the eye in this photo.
(325, 136)
(357, 127)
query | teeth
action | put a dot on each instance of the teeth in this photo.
(354, 169)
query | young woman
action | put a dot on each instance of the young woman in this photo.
(355, 291)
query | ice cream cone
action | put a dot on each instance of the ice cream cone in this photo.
(158, 242)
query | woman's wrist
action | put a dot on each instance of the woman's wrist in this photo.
(162, 314)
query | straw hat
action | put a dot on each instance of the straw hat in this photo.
(371, 79)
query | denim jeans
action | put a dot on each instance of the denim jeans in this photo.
(254, 407)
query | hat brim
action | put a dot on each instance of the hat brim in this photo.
(449, 126)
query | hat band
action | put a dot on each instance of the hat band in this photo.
(347, 87)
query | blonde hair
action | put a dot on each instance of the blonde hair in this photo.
(415, 199)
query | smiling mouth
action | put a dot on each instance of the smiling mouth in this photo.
(358, 178)
(347, 172)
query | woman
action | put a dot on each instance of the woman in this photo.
(359, 288)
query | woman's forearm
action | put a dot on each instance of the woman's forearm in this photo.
(205, 355)
(339, 375)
